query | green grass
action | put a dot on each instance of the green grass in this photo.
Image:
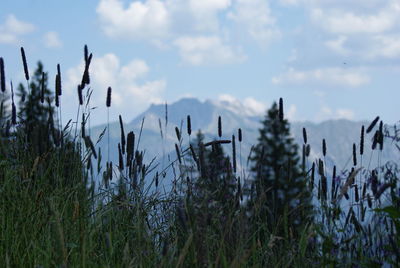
(51, 215)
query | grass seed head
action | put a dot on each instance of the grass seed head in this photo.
(362, 141)
(2, 75)
(189, 125)
(304, 135)
(42, 87)
(178, 133)
(25, 64)
(281, 109)
(219, 127)
(354, 154)
(108, 101)
(372, 125)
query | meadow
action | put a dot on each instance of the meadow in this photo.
(56, 212)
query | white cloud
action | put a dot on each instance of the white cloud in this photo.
(325, 76)
(327, 113)
(342, 22)
(13, 28)
(205, 13)
(345, 114)
(289, 2)
(200, 50)
(256, 18)
(387, 46)
(130, 93)
(147, 19)
(291, 112)
(254, 107)
(337, 45)
(248, 106)
(52, 40)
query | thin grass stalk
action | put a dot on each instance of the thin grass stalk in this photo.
(123, 141)
(234, 153)
(304, 136)
(240, 138)
(26, 71)
(280, 112)
(2, 75)
(372, 125)
(219, 127)
(189, 125)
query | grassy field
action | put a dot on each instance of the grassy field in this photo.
(53, 212)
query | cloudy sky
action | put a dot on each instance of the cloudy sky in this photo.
(327, 58)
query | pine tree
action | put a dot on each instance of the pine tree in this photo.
(279, 201)
(36, 112)
(211, 198)
(215, 182)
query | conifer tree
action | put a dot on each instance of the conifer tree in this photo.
(279, 202)
(211, 198)
(35, 111)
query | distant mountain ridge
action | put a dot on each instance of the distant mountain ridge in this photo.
(339, 134)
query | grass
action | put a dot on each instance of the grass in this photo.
(53, 215)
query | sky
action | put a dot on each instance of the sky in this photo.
(327, 59)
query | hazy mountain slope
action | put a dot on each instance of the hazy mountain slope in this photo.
(339, 134)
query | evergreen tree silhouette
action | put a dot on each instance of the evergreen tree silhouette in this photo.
(211, 199)
(279, 201)
(36, 112)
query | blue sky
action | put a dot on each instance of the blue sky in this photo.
(327, 58)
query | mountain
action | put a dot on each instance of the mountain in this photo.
(339, 134)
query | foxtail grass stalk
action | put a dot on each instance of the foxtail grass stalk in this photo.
(2, 76)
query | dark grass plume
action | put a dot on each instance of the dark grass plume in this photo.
(189, 125)
(178, 134)
(58, 85)
(281, 109)
(120, 158)
(240, 137)
(42, 87)
(57, 96)
(354, 154)
(234, 153)
(219, 127)
(25, 64)
(357, 197)
(324, 147)
(108, 101)
(2, 75)
(86, 53)
(304, 135)
(333, 186)
(178, 153)
(362, 141)
(380, 136)
(130, 146)
(123, 141)
(372, 125)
